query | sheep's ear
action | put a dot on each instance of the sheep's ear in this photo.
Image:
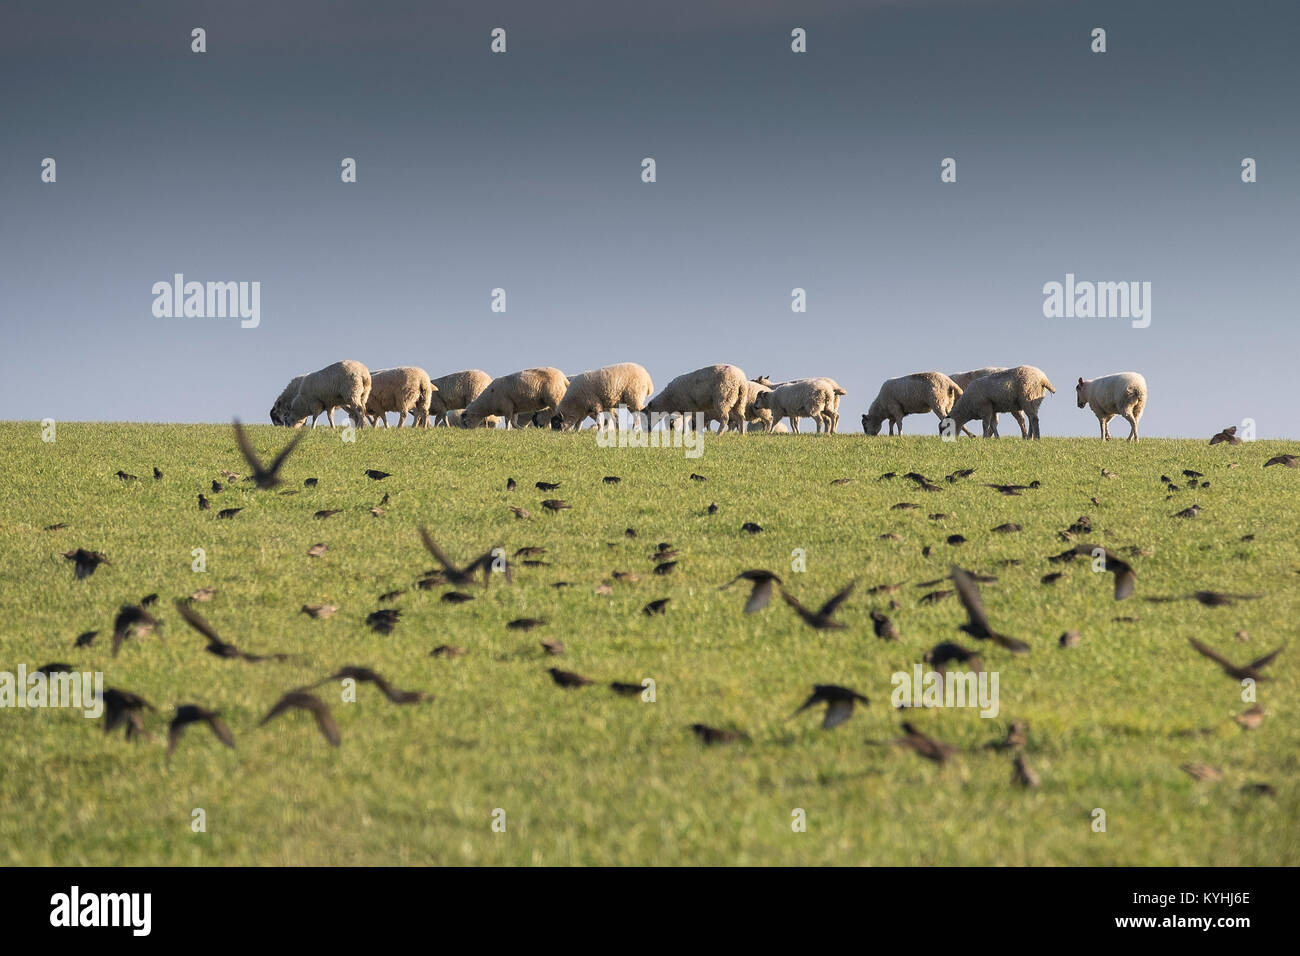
(1080, 379)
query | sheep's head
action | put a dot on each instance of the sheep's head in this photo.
(1080, 393)
(764, 380)
(557, 423)
(762, 400)
(871, 424)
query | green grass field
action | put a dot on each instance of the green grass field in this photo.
(585, 776)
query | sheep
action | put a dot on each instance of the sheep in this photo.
(454, 392)
(837, 390)
(402, 389)
(963, 380)
(754, 415)
(455, 420)
(343, 385)
(716, 390)
(517, 393)
(813, 397)
(1022, 388)
(910, 395)
(604, 390)
(1124, 393)
(280, 409)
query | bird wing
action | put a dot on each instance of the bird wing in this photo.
(437, 551)
(1209, 652)
(837, 711)
(799, 609)
(194, 620)
(827, 609)
(969, 595)
(174, 734)
(1125, 582)
(325, 721)
(279, 459)
(760, 596)
(246, 449)
(219, 728)
(1265, 660)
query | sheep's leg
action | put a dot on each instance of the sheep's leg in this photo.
(794, 424)
(329, 416)
(1133, 425)
(991, 426)
(1020, 420)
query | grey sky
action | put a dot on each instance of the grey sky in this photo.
(522, 171)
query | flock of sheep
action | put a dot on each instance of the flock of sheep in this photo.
(716, 393)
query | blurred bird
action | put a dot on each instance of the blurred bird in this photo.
(885, 629)
(838, 700)
(821, 619)
(567, 679)
(1290, 461)
(1125, 576)
(187, 714)
(1022, 774)
(301, 700)
(713, 735)
(365, 675)
(924, 746)
(132, 621)
(977, 625)
(123, 707)
(1244, 672)
(763, 586)
(263, 477)
(485, 562)
(85, 562)
(1228, 435)
(216, 646)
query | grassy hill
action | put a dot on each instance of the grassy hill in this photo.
(587, 776)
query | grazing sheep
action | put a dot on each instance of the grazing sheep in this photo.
(813, 398)
(455, 420)
(402, 389)
(518, 393)
(716, 390)
(1124, 393)
(604, 390)
(280, 409)
(910, 395)
(343, 385)
(454, 392)
(1022, 388)
(963, 380)
(836, 389)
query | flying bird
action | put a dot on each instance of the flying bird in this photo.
(885, 629)
(132, 620)
(267, 477)
(763, 586)
(314, 705)
(977, 624)
(216, 646)
(123, 707)
(1228, 435)
(924, 746)
(462, 576)
(947, 652)
(85, 562)
(821, 619)
(1290, 461)
(1125, 576)
(1249, 671)
(187, 714)
(367, 676)
(839, 703)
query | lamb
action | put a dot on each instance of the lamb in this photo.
(910, 395)
(604, 390)
(1124, 393)
(716, 390)
(517, 393)
(343, 385)
(963, 380)
(813, 397)
(454, 392)
(836, 388)
(402, 389)
(1022, 388)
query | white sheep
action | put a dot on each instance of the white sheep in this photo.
(836, 389)
(754, 415)
(604, 390)
(963, 380)
(813, 398)
(280, 408)
(518, 393)
(1124, 393)
(1022, 388)
(716, 390)
(910, 395)
(454, 392)
(403, 389)
(343, 385)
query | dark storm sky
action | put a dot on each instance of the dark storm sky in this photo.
(522, 171)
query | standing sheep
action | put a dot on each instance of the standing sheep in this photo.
(836, 389)
(754, 415)
(454, 392)
(280, 409)
(1022, 388)
(604, 390)
(716, 390)
(1124, 393)
(813, 398)
(910, 395)
(963, 380)
(343, 385)
(517, 393)
(402, 389)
